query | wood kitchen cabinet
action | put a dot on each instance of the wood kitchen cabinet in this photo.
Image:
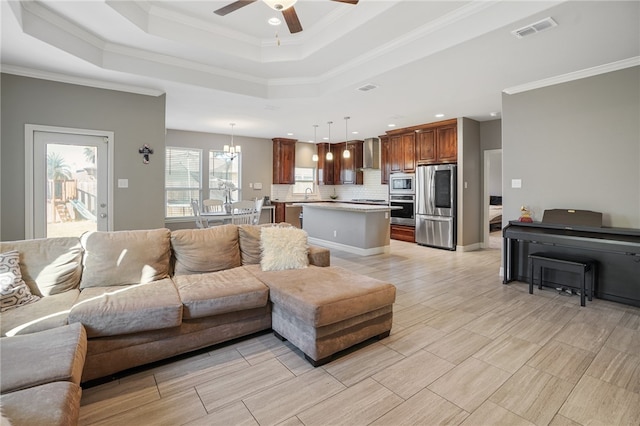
(437, 143)
(351, 168)
(279, 211)
(433, 143)
(284, 161)
(402, 152)
(385, 168)
(403, 233)
(326, 168)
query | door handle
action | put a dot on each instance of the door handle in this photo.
(103, 215)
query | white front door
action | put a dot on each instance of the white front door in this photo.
(69, 185)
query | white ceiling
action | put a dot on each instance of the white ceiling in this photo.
(426, 57)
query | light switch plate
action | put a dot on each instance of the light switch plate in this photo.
(257, 185)
(123, 183)
(516, 183)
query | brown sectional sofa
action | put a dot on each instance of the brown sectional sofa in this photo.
(142, 296)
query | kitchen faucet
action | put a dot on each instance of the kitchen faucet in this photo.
(306, 194)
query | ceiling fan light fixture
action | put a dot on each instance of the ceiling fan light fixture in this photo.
(280, 5)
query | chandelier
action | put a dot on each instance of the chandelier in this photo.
(232, 150)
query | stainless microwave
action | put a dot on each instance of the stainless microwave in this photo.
(402, 183)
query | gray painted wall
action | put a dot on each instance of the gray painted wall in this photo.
(257, 157)
(469, 198)
(575, 145)
(134, 119)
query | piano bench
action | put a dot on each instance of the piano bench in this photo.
(580, 266)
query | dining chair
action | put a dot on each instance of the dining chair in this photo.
(212, 206)
(243, 212)
(200, 221)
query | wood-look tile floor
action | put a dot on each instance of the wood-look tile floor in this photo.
(464, 349)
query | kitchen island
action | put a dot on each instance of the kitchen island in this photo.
(356, 228)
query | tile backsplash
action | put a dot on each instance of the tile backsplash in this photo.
(372, 189)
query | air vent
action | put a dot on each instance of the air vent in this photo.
(534, 28)
(367, 87)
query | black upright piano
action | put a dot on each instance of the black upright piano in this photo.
(616, 251)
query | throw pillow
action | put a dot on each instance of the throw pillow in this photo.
(283, 248)
(14, 291)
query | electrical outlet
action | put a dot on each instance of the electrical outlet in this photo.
(335, 233)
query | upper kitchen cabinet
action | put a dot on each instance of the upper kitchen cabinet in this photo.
(326, 168)
(351, 168)
(385, 167)
(437, 143)
(402, 151)
(284, 161)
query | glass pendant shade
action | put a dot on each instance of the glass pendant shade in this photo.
(346, 153)
(329, 154)
(314, 157)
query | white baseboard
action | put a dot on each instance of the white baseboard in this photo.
(349, 249)
(470, 247)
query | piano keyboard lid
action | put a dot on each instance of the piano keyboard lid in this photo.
(572, 217)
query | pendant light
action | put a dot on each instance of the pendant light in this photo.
(346, 153)
(232, 150)
(329, 154)
(314, 157)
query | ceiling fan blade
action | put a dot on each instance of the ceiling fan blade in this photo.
(291, 18)
(347, 1)
(232, 7)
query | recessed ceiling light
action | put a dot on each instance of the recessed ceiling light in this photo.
(439, 115)
(391, 125)
(274, 21)
(289, 134)
(493, 114)
(325, 138)
(355, 132)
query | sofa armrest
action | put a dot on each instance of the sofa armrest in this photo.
(319, 256)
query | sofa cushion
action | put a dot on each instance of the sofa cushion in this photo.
(125, 257)
(249, 237)
(283, 248)
(322, 296)
(220, 292)
(205, 250)
(54, 404)
(48, 312)
(109, 311)
(38, 358)
(13, 290)
(49, 265)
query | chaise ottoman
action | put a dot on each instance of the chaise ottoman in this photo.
(325, 310)
(41, 376)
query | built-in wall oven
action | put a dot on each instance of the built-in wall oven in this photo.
(402, 193)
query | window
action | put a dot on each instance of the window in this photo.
(304, 179)
(224, 177)
(183, 180)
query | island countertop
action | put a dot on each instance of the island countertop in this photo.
(364, 208)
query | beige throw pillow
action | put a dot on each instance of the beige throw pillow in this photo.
(14, 291)
(283, 248)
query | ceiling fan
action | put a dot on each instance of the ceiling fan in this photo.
(285, 6)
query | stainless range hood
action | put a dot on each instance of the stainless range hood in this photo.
(371, 153)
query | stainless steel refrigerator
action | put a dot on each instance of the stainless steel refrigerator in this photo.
(436, 206)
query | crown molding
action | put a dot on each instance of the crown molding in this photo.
(80, 81)
(576, 75)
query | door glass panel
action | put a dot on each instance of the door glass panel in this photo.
(443, 189)
(71, 189)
